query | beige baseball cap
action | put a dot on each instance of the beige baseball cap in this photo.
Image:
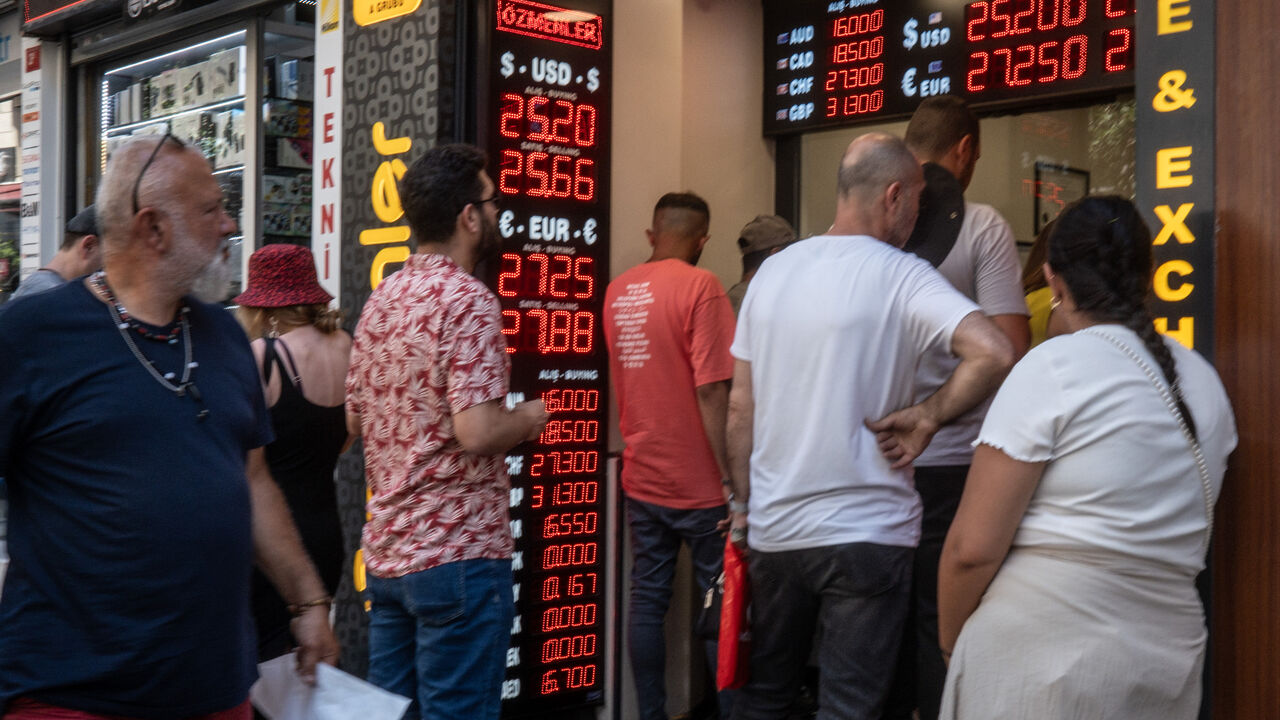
(765, 232)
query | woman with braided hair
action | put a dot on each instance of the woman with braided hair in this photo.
(1067, 582)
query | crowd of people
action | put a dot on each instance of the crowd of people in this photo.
(942, 520)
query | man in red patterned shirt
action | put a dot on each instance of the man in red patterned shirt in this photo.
(427, 389)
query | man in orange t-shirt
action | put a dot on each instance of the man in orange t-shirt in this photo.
(668, 326)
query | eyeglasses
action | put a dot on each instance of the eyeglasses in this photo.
(496, 197)
(137, 184)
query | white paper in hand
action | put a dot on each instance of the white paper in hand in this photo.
(280, 694)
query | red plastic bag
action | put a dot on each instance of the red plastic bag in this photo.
(733, 661)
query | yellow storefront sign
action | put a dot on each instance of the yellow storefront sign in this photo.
(370, 12)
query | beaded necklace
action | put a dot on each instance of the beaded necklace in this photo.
(169, 334)
(181, 331)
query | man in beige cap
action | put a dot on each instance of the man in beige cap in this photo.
(760, 238)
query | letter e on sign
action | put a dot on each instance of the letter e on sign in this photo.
(1170, 162)
(1168, 13)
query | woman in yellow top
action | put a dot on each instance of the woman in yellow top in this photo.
(1039, 296)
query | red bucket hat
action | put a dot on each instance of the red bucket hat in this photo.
(281, 275)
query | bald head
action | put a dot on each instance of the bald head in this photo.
(161, 187)
(872, 163)
(878, 189)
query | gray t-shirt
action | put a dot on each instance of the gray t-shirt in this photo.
(38, 281)
(984, 267)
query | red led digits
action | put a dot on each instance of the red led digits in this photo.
(569, 555)
(1047, 57)
(854, 78)
(584, 274)
(859, 104)
(1119, 50)
(571, 400)
(583, 583)
(575, 493)
(857, 50)
(562, 272)
(550, 331)
(569, 647)
(976, 15)
(540, 119)
(1002, 18)
(511, 329)
(570, 431)
(858, 24)
(1075, 56)
(557, 462)
(1042, 63)
(573, 678)
(1119, 8)
(561, 524)
(568, 616)
(510, 169)
(547, 175)
(511, 114)
(578, 584)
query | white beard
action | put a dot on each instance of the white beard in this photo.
(214, 282)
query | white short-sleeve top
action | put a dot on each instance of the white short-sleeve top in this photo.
(834, 327)
(1120, 476)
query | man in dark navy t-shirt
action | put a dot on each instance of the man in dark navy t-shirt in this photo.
(131, 432)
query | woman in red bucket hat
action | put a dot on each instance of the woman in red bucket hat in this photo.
(302, 357)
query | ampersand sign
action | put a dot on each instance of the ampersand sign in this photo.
(1172, 96)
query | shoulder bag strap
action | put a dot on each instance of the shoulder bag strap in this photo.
(1205, 485)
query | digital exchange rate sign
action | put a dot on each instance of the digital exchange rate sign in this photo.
(836, 62)
(548, 141)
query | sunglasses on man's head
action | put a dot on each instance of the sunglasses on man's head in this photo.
(137, 184)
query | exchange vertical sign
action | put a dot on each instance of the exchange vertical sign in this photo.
(1175, 153)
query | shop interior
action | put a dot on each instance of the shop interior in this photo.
(255, 127)
(1032, 164)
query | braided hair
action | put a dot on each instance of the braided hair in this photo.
(1102, 250)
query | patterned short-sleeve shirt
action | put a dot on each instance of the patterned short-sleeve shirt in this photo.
(429, 344)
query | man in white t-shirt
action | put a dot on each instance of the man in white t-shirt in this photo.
(822, 432)
(981, 261)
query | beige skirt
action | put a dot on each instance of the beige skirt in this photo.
(1078, 636)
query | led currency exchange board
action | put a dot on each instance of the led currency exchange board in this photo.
(548, 142)
(836, 62)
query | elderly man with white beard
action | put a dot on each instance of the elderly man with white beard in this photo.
(131, 432)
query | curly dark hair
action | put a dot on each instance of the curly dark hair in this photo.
(1102, 250)
(437, 187)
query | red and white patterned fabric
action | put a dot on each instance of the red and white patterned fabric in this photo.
(429, 344)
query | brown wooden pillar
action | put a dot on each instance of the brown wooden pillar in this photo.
(1246, 570)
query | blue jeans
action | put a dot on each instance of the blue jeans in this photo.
(656, 534)
(440, 637)
(857, 594)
